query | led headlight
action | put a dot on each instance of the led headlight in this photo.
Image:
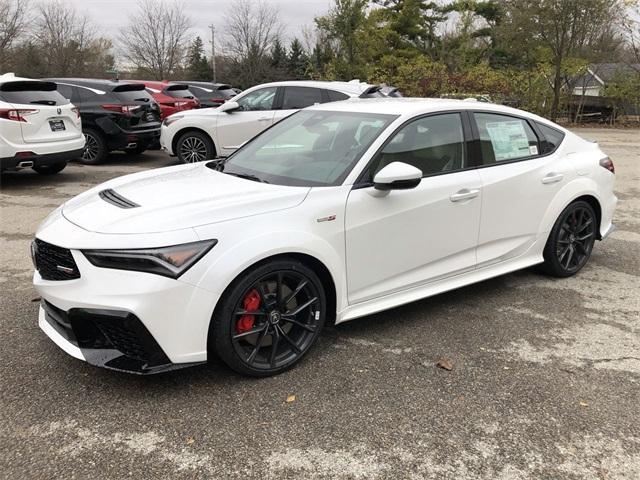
(167, 261)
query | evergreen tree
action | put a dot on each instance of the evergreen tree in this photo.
(197, 65)
(297, 60)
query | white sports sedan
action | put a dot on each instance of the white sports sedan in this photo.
(203, 134)
(337, 212)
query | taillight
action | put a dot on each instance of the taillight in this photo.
(124, 109)
(76, 110)
(608, 164)
(17, 115)
(180, 104)
(217, 100)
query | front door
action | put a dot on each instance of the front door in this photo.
(411, 237)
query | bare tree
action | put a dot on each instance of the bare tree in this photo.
(156, 39)
(252, 29)
(13, 18)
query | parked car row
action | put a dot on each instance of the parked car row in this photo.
(201, 120)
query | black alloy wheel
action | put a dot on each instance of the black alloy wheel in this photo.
(269, 319)
(95, 148)
(571, 240)
(193, 147)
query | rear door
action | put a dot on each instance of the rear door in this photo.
(254, 115)
(45, 115)
(520, 177)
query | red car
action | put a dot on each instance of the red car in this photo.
(172, 97)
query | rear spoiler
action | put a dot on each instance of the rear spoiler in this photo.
(28, 86)
(370, 90)
(129, 87)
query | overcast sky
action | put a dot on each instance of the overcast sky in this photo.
(109, 15)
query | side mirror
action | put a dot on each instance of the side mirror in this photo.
(397, 176)
(229, 106)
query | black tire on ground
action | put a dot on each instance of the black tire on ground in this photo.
(96, 150)
(50, 169)
(194, 147)
(571, 240)
(285, 286)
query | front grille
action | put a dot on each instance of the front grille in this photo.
(122, 338)
(53, 262)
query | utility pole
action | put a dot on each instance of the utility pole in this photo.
(213, 50)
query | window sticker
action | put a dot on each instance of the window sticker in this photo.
(533, 150)
(509, 139)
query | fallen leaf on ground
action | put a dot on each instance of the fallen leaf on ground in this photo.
(445, 363)
(291, 399)
(190, 440)
(584, 404)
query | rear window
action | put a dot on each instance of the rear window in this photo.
(336, 96)
(226, 92)
(551, 138)
(135, 96)
(32, 93)
(179, 93)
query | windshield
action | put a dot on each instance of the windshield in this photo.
(309, 148)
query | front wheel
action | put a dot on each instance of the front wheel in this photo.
(269, 318)
(571, 240)
(194, 147)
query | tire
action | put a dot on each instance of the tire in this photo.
(240, 339)
(194, 147)
(136, 151)
(95, 151)
(571, 240)
(50, 169)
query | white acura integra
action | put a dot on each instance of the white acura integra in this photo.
(334, 213)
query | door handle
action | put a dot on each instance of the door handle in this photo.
(464, 194)
(552, 177)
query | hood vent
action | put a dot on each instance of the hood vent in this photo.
(116, 199)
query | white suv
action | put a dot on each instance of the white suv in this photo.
(39, 128)
(197, 135)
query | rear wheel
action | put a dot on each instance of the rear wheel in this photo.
(194, 147)
(269, 318)
(571, 240)
(95, 149)
(50, 169)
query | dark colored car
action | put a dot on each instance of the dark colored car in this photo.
(210, 94)
(115, 116)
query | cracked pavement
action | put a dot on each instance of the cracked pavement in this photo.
(545, 380)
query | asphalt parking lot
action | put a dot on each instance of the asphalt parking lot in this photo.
(545, 380)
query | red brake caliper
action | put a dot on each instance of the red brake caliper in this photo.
(250, 303)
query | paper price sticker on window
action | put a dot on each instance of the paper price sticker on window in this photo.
(509, 140)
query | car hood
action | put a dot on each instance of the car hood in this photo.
(175, 198)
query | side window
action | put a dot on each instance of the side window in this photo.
(434, 144)
(552, 138)
(86, 95)
(258, 100)
(336, 96)
(504, 138)
(300, 97)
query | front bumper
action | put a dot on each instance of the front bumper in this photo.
(112, 339)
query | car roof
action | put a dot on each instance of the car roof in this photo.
(10, 77)
(353, 87)
(407, 106)
(90, 82)
(201, 84)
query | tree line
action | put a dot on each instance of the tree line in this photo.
(524, 52)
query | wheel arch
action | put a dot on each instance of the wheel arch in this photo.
(319, 268)
(182, 131)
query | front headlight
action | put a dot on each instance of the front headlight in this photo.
(170, 119)
(167, 261)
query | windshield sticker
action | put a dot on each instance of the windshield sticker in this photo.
(509, 140)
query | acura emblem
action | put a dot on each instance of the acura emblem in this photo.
(59, 111)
